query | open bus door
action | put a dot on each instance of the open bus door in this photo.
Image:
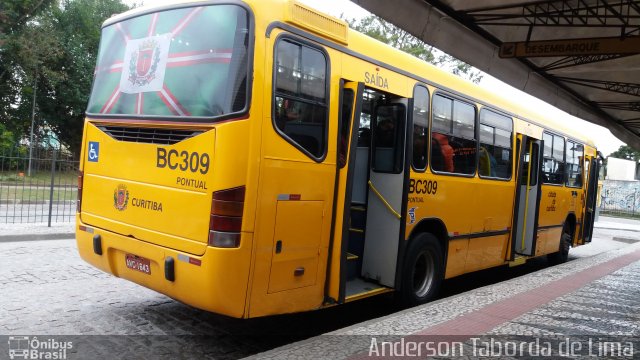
(527, 200)
(592, 169)
(386, 180)
(370, 222)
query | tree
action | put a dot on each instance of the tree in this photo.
(6, 139)
(15, 14)
(33, 49)
(77, 25)
(50, 47)
(390, 34)
(627, 153)
(16, 60)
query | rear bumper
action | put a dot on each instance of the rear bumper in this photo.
(216, 281)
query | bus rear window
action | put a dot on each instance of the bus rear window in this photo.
(186, 62)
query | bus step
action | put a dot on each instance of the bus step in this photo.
(353, 266)
(359, 289)
(518, 260)
(358, 218)
(356, 242)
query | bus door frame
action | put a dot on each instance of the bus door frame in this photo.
(342, 193)
(528, 220)
(591, 192)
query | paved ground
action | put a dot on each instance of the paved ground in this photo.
(35, 231)
(591, 304)
(48, 291)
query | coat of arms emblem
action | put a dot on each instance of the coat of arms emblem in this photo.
(145, 62)
(120, 197)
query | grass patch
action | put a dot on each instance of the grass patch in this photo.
(20, 193)
(60, 178)
(11, 178)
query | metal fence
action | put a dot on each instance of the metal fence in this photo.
(41, 188)
(620, 198)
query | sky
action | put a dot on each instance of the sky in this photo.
(605, 141)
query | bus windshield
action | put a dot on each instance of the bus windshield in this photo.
(188, 62)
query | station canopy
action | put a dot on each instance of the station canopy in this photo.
(582, 56)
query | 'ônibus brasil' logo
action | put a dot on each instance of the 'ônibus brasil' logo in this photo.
(120, 197)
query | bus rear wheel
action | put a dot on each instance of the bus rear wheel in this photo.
(563, 254)
(423, 270)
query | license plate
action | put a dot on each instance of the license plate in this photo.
(138, 263)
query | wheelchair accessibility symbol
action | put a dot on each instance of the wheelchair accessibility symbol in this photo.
(94, 151)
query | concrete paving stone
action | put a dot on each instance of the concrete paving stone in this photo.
(470, 301)
(37, 228)
(579, 319)
(543, 320)
(86, 300)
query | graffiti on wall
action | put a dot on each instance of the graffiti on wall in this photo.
(619, 195)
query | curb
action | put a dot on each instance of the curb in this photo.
(37, 237)
(614, 228)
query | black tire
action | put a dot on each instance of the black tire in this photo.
(563, 253)
(423, 270)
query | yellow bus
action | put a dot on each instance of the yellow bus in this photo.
(256, 157)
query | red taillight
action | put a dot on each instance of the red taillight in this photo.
(226, 218)
(79, 202)
(227, 208)
(235, 194)
(226, 223)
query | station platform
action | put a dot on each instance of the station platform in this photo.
(589, 306)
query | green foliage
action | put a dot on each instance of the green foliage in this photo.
(16, 17)
(15, 14)
(6, 139)
(626, 152)
(375, 27)
(390, 34)
(78, 24)
(49, 47)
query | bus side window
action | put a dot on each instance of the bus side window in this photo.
(553, 159)
(495, 145)
(420, 127)
(530, 173)
(453, 129)
(300, 101)
(575, 156)
(388, 138)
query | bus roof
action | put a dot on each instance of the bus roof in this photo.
(364, 44)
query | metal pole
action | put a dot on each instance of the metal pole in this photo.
(33, 120)
(53, 174)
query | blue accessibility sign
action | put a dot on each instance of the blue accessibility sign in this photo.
(94, 151)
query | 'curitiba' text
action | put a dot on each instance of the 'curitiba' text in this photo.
(147, 204)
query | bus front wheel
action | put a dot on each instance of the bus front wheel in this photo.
(423, 270)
